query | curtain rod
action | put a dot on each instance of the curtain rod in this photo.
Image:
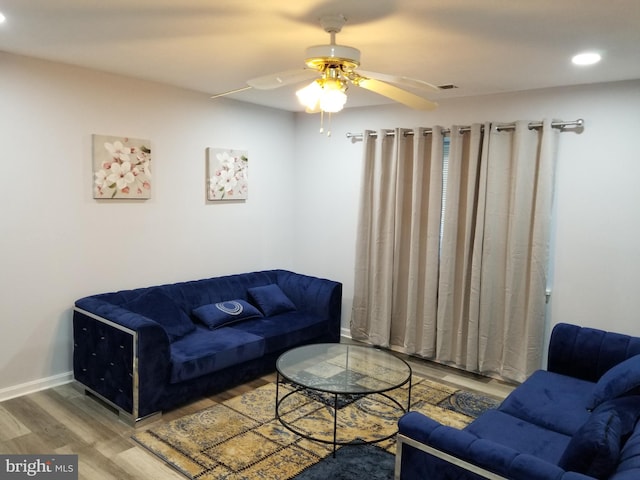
(562, 125)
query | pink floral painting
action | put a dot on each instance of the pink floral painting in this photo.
(228, 174)
(121, 167)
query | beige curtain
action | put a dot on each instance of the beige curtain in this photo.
(371, 318)
(477, 299)
(462, 235)
(398, 240)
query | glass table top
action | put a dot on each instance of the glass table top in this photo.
(343, 369)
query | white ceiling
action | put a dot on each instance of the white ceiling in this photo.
(213, 46)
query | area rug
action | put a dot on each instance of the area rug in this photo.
(241, 439)
(361, 462)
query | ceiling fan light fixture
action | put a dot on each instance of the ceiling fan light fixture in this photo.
(325, 94)
(309, 96)
(332, 97)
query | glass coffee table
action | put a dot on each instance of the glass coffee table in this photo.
(316, 383)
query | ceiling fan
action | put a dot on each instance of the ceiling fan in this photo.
(334, 68)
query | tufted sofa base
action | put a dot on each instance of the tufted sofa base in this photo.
(125, 417)
(94, 334)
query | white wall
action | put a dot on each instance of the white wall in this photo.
(596, 256)
(58, 244)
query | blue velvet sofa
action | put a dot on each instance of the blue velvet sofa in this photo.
(577, 420)
(150, 349)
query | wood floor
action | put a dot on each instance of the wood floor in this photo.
(63, 420)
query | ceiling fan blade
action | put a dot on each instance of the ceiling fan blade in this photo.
(400, 80)
(280, 79)
(399, 95)
(230, 92)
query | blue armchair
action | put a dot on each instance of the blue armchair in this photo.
(577, 420)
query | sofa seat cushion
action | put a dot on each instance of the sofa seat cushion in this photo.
(205, 351)
(519, 435)
(552, 401)
(285, 330)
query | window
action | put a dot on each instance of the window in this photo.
(445, 176)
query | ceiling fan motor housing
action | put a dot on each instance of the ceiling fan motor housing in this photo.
(320, 57)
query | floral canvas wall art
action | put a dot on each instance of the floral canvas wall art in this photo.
(228, 174)
(121, 167)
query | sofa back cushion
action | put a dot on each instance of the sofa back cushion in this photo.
(587, 353)
(159, 307)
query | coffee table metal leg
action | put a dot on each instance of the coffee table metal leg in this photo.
(277, 391)
(335, 423)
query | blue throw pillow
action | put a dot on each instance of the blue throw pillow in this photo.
(159, 307)
(618, 380)
(594, 449)
(628, 410)
(216, 315)
(271, 299)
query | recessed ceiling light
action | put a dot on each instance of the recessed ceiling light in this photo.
(2, 18)
(586, 58)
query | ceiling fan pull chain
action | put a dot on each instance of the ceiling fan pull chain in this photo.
(322, 123)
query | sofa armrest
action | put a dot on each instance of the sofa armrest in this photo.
(122, 356)
(406, 470)
(587, 353)
(428, 449)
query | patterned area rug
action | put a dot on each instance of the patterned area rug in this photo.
(242, 439)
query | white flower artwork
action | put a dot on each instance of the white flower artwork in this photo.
(121, 167)
(228, 174)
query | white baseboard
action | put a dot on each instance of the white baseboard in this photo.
(35, 386)
(345, 332)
